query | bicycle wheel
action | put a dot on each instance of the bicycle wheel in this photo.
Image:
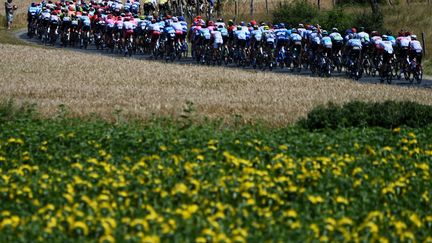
(419, 74)
(389, 74)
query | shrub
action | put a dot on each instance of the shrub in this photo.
(336, 18)
(295, 12)
(300, 11)
(389, 114)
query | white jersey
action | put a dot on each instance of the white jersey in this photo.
(240, 34)
(217, 36)
(217, 24)
(177, 26)
(363, 36)
(154, 27)
(129, 25)
(415, 46)
(387, 46)
(403, 41)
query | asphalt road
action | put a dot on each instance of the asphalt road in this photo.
(426, 82)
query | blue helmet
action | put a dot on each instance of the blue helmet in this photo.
(276, 26)
(181, 18)
(281, 25)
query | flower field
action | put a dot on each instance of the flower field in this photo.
(73, 180)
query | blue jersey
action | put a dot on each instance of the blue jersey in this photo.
(281, 34)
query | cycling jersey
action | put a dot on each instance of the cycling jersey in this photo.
(354, 44)
(336, 37)
(217, 36)
(128, 25)
(33, 11)
(257, 35)
(85, 20)
(363, 36)
(219, 24)
(403, 41)
(269, 36)
(415, 46)
(387, 46)
(295, 39)
(282, 34)
(326, 42)
(205, 33)
(301, 32)
(240, 34)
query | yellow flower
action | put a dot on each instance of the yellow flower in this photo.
(179, 188)
(315, 199)
(396, 130)
(315, 229)
(200, 240)
(373, 228)
(400, 226)
(107, 239)
(15, 140)
(283, 147)
(407, 235)
(291, 213)
(342, 200)
(79, 225)
(150, 239)
(345, 221)
(416, 220)
(141, 223)
(163, 148)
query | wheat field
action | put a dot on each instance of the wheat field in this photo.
(93, 84)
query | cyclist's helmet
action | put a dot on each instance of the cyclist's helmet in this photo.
(175, 19)
(266, 27)
(239, 27)
(301, 26)
(276, 26)
(242, 23)
(210, 23)
(142, 17)
(181, 18)
(325, 33)
(413, 37)
(361, 29)
(294, 30)
(230, 22)
(255, 27)
(126, 19)
(253, 22)
(220, 20)
(281, 25)
(334, 30)
(385, 37)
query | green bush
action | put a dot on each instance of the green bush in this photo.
(389, 114)
(370, 21)
(336, 18)
(298, 11)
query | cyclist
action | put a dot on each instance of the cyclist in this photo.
(415, 50)
(386, 47)
(354, 48)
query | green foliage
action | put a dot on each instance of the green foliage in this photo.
(370, 21)
(68, 180)
(304, 12)
(389, 114)
(336, 18)
(295, 12)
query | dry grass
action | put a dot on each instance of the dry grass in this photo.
(89, 84)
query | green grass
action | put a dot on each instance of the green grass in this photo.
(66, 180)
